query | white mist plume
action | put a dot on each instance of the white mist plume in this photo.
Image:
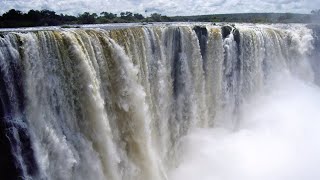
(277, 139)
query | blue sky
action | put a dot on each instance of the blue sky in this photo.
(165, 7)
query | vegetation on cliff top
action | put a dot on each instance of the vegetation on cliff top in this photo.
(15, 18)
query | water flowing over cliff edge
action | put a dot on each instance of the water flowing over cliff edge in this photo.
(115, 104)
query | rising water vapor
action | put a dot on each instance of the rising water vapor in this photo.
(276, 138)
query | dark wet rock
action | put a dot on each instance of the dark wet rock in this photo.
(226, 30)
(202, 35)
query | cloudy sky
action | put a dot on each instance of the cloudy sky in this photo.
(165, 7)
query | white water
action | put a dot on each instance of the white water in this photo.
(277, 139)
(127, 104)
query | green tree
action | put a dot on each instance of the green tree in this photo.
(138, 16)
(108, 15)
(128, 16)
(48, 13)
(87, 18)
(156, 17)
(13, 14)
(33, 15)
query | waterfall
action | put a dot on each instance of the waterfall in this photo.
(94, 103)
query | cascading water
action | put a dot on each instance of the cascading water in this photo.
(122, 104)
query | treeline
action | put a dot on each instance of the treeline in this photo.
(14, 18)
(249, 18)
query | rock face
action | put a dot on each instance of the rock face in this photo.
(7, 161)
(202, 34)
(228, 29)
(16, 148)
(315, 60)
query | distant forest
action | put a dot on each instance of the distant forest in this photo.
(15, 18)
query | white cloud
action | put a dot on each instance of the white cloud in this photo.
(167, 7)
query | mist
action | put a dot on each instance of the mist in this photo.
(276, 139)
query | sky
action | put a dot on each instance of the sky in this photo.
(164, 7)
